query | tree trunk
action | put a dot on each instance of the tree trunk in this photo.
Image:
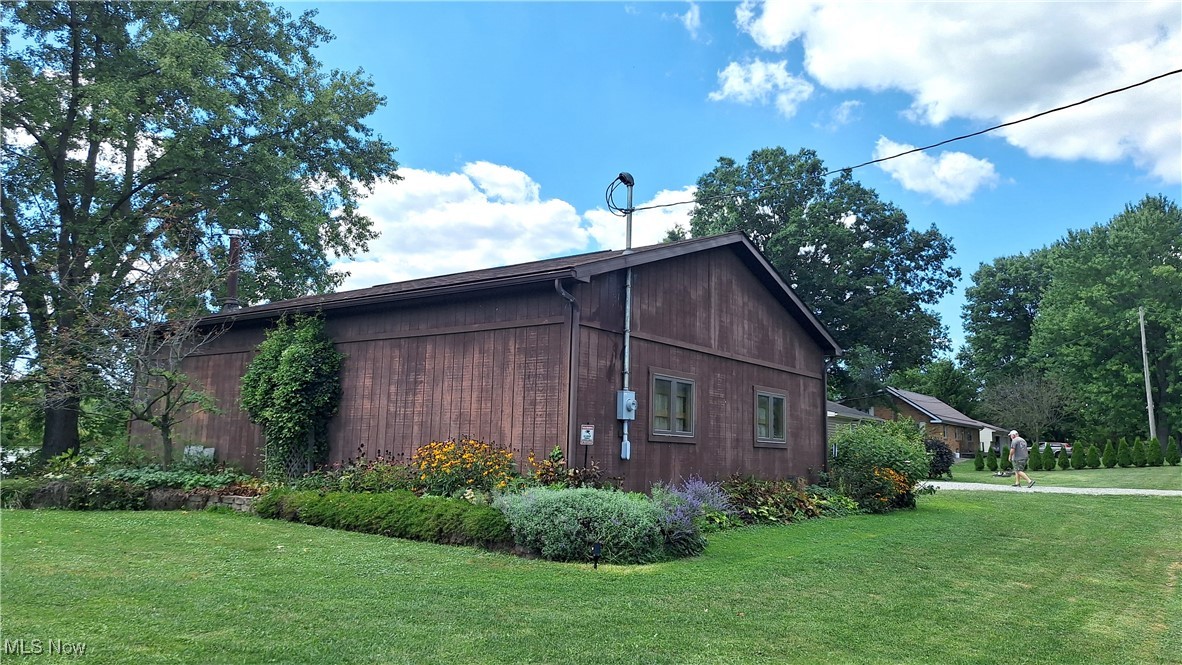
(166, 444)
(61, 428)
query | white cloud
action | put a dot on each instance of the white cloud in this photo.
(952, 177)
(692, 19)
(487, 215)
(759, 81)
(995, 62)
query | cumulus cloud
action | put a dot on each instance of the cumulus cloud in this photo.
(484, 216)
(993, 63)
(758, 82)
(951, 177)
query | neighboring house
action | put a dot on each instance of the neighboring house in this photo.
(940, 421)
(728, 365)
(840, 416)
(994, 437)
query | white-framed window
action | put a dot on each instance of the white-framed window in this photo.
(771, 417)
(673, 405)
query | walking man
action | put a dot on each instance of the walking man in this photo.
(1019, 454)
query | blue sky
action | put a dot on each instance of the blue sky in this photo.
(512, 119)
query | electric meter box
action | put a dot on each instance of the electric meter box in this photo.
(626, 405)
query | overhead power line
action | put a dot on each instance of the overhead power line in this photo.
(962, 137)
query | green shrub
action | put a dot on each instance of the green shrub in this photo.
(832, 503)
(153, 477)
(398, 514)
(979, 461)
(19, 492)
(1093, 457)
(1079, 456)
(1004, 462)
(562, 524)
(758, 501)
(1065, 458)
(879, 464)
(1153, 452)
(942, 458)
(1048, 459)
(1109, 456)
(447, 467)
(991, 460)
(1139, 457)
(1173, 454)
(1035, 462)
(1124, 455)
(376, 475)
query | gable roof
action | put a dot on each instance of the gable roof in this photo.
(843, 411)
(580, 267)
(938, 411)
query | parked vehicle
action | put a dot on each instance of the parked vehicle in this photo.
(1057, 446)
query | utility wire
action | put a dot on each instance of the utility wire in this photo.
(754, 190)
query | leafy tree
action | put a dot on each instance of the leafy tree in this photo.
(1173, 454)
(1033, 402)
(136, 132)
(1093, 457)
(1109, 457)
(847, 253)
(1048, 459)
(1124, 454)
(1139, 456)
(943, 379)
(1153, 452)
(1087, 328)
(999, 313)
(293, 389)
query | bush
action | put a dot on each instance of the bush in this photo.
(1124, 456)
(832, 503)
(552, 470)
(1173, 455)
(1139, 457)
(979, 461)
(1109, 456)
(1004, 462)
(19, 492)
(1035, 461)
(1153, 452)
(153, 478)
(991, 460)
(447, 467)
(398, 514)
(942, 458)
(73, 494)
(879, 464)
(1079, 456)
(377, 475)
(1065, 458)
(562, 524)
(1093, 457)
(759, 501)
(1048, 458)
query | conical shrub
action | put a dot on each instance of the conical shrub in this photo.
(1139, 456)
(1109, 458)
(1153, 452)
(1173, 454)
(1124, 455)
(1079, 456)
(1093, 457)
(1005, 463)
(1048, 459)
(1065, 459)
(979, 461)
(1035, 462)
(991, 460)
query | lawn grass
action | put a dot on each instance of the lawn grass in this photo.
(969, 577)
(1146, 478)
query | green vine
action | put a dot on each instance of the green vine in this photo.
(293, 389)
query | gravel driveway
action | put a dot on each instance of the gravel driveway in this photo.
(986, 487)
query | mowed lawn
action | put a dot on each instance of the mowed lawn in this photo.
(1149, 477)
(969, 577)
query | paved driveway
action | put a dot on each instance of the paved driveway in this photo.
(1038, 487)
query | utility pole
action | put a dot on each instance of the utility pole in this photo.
(1145, 364)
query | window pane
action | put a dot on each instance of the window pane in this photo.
(683, 407)
(763, 416)
(662, 390)
(778, 418)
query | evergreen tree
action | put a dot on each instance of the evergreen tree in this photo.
(1109, 455)
(1048, 459)
(991, 460)
(1079, 456)
(1173, 455)
(1006, 464)
(1139, 457)
(1124, 456)
(1093, 457)
(979, 461)
(1064, 459)
(1035, 463)
(1153, 452)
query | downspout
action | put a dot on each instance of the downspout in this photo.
(572, 371)
(832, 449)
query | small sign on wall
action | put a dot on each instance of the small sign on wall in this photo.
(586, 435)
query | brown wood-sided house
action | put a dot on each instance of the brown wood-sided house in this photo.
(940, 421)
(727, 364)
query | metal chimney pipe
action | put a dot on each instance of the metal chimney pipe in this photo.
(231, 300)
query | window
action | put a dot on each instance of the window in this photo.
(673, 406)
(770, 417)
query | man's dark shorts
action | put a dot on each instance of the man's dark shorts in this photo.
(1019, 465)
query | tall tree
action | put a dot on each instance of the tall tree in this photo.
(135, 132)
(1087, 329)
(943, 379)
(1030, 403)
(850, 255)
(999, 313)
